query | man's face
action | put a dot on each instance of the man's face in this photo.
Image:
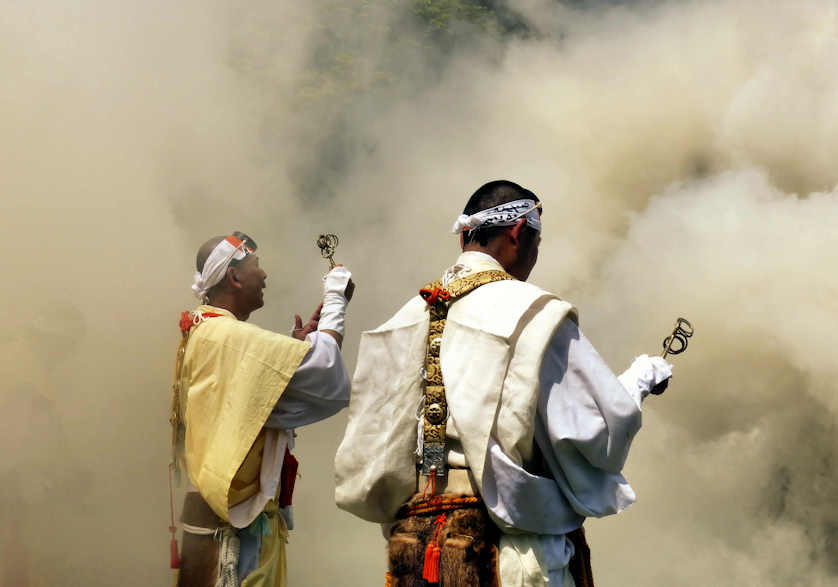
(252, 280)
(528, 254)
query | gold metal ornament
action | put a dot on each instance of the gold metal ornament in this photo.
(327, 244)
(676, 343)
(436, 413)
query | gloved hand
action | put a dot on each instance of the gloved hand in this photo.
(646, 374)
(335, 289)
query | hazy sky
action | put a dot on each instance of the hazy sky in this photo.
(685, 153)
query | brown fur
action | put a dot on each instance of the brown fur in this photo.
(198, 561)
(468, 543)
(199, 554)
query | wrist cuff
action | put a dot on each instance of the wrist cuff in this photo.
(643, 375)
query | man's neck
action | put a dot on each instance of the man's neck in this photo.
(487, 250)
(506, 256)
(228, 303)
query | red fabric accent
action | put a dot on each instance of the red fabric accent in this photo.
(432, 295)
(237, 242)
(187, 321)
(287, 478)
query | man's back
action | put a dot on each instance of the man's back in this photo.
(493, 341)
(235, 373)
(532, 426)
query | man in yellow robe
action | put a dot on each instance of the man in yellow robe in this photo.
(240, 391)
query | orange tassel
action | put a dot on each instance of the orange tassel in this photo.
(430, 572)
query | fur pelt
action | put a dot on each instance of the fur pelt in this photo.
(468, 543)
(199, 561)
(199, 554)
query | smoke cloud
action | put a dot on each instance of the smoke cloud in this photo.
(685, 155)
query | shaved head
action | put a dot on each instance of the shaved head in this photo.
(489, 195)
(514, 247)
(240, 289)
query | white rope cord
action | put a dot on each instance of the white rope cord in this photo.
(228, 559)
(228, 552)
(197, 530)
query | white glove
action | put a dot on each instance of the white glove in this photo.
(333, 313)
(643, 375)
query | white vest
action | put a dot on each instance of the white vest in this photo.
(492, 348)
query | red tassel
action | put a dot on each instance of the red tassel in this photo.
(430, 572)
(175, 558)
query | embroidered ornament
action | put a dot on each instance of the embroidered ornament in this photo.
(435, 413)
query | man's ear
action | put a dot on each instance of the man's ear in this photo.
(232, 279)
(514, 233)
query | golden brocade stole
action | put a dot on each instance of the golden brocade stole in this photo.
(436, 407)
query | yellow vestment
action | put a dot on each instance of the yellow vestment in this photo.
(233, 374)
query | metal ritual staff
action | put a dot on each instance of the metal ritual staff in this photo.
(676, 343)
(327, 244)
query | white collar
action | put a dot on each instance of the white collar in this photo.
(470, 262)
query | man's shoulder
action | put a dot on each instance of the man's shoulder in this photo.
(502, 306)
(411, 313)
(505, 302)
(515, 287)
(509, 295)
(232, 332)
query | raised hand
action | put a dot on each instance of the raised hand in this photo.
(300, 331)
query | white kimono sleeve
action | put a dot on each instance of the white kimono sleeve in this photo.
(586, 421)
(319, 388)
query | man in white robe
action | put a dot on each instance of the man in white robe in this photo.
(536, 424)
(240, 392)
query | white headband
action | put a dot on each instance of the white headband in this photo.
(502, 215)
(216, 264)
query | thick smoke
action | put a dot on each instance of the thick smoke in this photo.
(684, 152)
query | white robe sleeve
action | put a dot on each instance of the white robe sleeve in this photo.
(319, 388)
(585, 424)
